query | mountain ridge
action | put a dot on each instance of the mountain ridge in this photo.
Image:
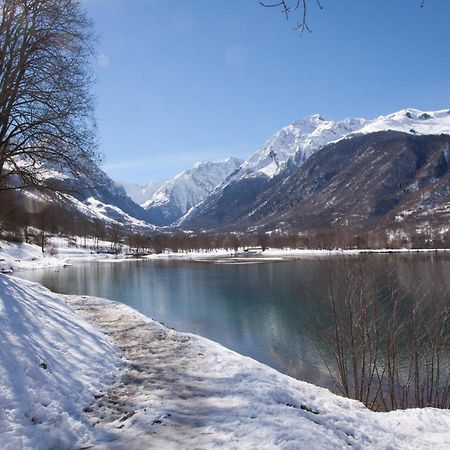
(247, 185)
(179, 194)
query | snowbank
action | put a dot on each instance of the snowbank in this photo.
(25, 256)
(185, 391)
(52, 362)
(15, 256)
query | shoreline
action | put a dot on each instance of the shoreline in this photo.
(287, 253)
(198, 391)
(180, 390)
(18, 257)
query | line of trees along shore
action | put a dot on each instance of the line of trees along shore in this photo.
(30, 219)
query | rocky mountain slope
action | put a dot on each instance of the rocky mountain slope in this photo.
(241, 199)
(296, 142)
(381, 179)
(179, 194)
(97, 196)
(277, 188)
(301, 139)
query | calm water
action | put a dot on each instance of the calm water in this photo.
(263, 310)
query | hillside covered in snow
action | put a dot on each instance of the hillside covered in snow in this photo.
(178, 195)
(211, 196)
(141, 193)
(302, 138)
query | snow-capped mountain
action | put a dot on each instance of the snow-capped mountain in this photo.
(179, 194)
(384, 178)
(289, 149)
(304, 136)
(411, 121)
(214, 195)
(301, 139)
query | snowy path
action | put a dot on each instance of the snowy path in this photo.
(185, 392)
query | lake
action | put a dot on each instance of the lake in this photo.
(265, 309)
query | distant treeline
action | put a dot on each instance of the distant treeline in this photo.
(29, 217)
(26, 218)
(315, 239)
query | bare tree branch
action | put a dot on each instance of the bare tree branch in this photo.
(288, 10)
(300, 9)
(46, 107)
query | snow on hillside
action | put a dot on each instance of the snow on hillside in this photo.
(300, 138)
(177, 195)
(52, 363)
(95, 195)
(190, 187)
(411, 121)
(308, 134)
(180, 198)
(112, 214)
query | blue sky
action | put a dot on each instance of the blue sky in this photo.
(181, 81)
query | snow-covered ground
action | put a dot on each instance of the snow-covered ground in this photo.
(277, 254)
(24, 256)
(52, 363)
(58, 253)
(177, 390)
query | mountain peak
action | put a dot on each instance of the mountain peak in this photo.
(411, 120)
(177, 195)
(304, 136)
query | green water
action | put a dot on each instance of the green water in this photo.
(265, 310)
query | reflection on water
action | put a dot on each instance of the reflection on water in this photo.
(264, 310)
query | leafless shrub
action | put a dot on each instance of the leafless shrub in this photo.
(388, 349)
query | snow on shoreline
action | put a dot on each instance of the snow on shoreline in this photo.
(52, 362)
(277, 253)
(15, 256)
(23, 256)
(178, 390)
(186, 391)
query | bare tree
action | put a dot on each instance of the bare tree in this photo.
(115, 237)
(46, 109)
